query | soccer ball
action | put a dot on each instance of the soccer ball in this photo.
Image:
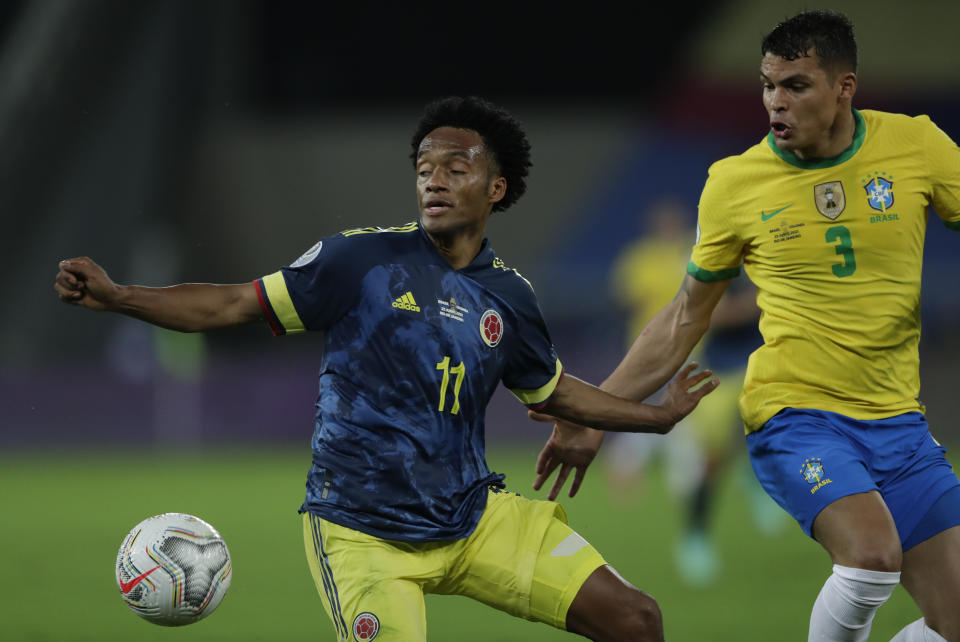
(173, 569)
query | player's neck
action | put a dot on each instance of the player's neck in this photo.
(460, 248)
(835, 141)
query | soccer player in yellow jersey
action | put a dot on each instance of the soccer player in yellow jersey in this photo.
(827, 216)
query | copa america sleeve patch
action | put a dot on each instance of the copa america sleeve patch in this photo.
(309, 255)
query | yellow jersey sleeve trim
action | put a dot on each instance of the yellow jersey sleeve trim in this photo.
(281, 303)
(953, 225)
(541, 394)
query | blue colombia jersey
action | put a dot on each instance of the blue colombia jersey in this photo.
(413, 352)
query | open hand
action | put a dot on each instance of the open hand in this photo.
(570, 447)
(682, 395)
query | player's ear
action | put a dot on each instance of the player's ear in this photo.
(848, 85)
(497, 189)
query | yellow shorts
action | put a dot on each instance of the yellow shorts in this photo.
(522, 558)
(716, 419)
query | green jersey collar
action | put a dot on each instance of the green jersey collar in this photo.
(858, 135)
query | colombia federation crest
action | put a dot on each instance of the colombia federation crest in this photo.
(366, 626)
(491, 327)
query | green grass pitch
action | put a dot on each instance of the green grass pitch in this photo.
(64, 517)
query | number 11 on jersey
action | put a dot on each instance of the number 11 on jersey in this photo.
(459, 370)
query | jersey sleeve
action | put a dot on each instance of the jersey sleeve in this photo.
(315, 290)
(717, 252)
(533, 368)
(943, 157)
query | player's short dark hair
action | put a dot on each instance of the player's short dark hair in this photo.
(828, 33)
(502, 134)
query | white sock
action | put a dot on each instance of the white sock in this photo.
(918, 631)
(847, 602)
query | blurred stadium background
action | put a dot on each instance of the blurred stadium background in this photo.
(216, 141)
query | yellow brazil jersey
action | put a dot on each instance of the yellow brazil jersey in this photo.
(835, 248)
(647, 275)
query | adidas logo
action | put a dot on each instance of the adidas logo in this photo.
(406, 302)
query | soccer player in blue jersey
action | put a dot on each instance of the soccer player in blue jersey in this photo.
(422, 322)
(827, 215)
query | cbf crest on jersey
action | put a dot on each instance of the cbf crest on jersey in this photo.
(879, 190)
(830, 199)
(491, 327)
(813, 474)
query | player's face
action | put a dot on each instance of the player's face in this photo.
(456, 185)
(804, 103)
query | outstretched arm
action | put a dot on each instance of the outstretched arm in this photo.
(581, 403)
(666, 341)
(573, 446)
(189, 307)
(656, 354)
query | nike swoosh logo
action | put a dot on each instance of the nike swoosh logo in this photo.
(126, 587)
(766, 217)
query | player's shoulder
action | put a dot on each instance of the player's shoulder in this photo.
(358, 247)
(889, 117)
(507, 280)
(896, 123)
(398, 234)
(735, 166)
(376, 243)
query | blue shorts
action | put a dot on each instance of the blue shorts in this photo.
(807, 459)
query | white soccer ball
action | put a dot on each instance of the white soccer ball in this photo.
(173, 569)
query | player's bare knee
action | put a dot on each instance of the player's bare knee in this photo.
(641, 618)
(650, 620)
(877, 556)
(631, 614)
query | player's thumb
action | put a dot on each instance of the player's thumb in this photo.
(78, 266)
(538, 416)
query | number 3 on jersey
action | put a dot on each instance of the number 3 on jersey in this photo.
(460, 371)
(841, 236)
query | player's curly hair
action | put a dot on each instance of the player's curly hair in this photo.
(828, 33)
(502, 135)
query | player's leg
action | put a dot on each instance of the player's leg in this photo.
(923, 494)
(524, 559)
(931, 574)
(607, 607)
(712, 428)
(814, 466)
(931, 570)
(859, 532)
(625, 461)
(860, 535)
(369, 587)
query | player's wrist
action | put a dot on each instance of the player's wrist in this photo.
(119, 298)
(665, 418)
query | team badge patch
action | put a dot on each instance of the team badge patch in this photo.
(813, 474)
(365, 627)
(491, 328)
(879, 192)
(830, 199)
